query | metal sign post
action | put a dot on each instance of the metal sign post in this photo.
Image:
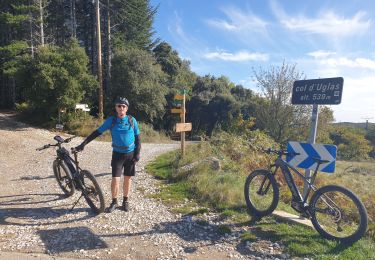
(183, 121)
(316, 92)
(311, 140)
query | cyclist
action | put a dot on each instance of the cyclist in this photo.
(126, 143)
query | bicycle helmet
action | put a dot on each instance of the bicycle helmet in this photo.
(122, 101)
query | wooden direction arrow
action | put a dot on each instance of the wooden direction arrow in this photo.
(183, 127)
(176, 110)
(178, 97)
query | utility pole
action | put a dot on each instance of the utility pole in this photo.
(99, 53)
(367, 119)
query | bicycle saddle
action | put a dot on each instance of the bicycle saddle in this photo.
(319, 161)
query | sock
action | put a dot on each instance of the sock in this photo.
(114, 201)
(125, 198)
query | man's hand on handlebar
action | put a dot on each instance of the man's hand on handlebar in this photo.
(78, 148)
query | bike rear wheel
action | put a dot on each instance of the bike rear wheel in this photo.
(91, 192)
(63, 177)
(338, 214)
(261, 193)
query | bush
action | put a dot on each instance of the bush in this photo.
(57, 77)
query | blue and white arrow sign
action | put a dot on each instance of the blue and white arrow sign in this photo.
(307, 152)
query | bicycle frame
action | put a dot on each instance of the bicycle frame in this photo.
(63, 154)
(284, 166)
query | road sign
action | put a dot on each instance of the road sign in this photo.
(177, 103)
(176, 110)
(183, 127)
(178, 97)
(326, 91)
(307, 152)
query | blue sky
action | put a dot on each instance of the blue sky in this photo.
(324, 39)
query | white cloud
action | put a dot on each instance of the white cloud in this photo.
(362, 63)
(321, 54)
(327, 22)
(239, 56)
(357, 100)
(239, 21)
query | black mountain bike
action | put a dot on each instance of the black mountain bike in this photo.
(335, 212)
(71, 177)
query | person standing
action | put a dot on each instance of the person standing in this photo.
(126, 143)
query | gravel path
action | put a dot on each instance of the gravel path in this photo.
(35, 217)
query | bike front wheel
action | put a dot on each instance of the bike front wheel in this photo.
(91, 192)
(63, 177)
(261, 193)
(338, 214)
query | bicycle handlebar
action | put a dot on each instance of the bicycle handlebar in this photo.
(67, 140)
(279, 152)
(59, 140)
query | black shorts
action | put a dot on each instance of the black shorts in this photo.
(122, 164)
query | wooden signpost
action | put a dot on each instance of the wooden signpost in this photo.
(182, 127)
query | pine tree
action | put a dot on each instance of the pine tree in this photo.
(14, 35)
(133, 20)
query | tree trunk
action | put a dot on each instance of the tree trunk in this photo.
(73, 18)
(99, 53)
(41, 23)
(31, 31)
(108, 53)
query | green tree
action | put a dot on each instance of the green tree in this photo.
(14, 34)
(325, 120)
(133, 20)
(370, 136)
(351, 143)
(210, 96)
(247, 101)
(137, 76)
(56, 78)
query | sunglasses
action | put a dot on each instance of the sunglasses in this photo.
(121, 106)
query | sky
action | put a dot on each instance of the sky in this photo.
(235, 37)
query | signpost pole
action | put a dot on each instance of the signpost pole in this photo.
(183, 121)
(311, 140)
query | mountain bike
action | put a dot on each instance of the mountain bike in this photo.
(71, 177)
(335, 212)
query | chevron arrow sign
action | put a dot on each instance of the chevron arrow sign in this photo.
(307, 152)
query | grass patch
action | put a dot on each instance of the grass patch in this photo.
(301, 241)
(163, 166)
(173, 193)
(248, 236)
(223, 229)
